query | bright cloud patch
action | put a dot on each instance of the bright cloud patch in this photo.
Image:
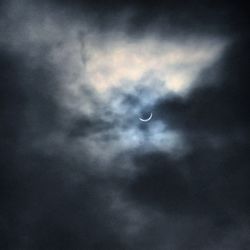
(115, 78)
(109, 79)
(115, 62)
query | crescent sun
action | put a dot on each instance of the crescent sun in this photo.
(146, 120)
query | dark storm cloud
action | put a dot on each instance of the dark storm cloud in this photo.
(165, 17)
(44, 205)
(211, 179)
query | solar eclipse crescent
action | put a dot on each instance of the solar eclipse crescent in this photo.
(146, 120)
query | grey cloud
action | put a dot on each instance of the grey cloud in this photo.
(100, 179)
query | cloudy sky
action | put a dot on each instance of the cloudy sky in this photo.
(79, 170)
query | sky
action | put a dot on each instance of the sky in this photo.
(79, 170)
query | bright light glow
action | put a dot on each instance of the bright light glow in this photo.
(146, 120)
(120, 61)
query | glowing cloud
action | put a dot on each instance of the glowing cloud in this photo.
(120, 61)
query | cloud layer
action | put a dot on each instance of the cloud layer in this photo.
(79, 170)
